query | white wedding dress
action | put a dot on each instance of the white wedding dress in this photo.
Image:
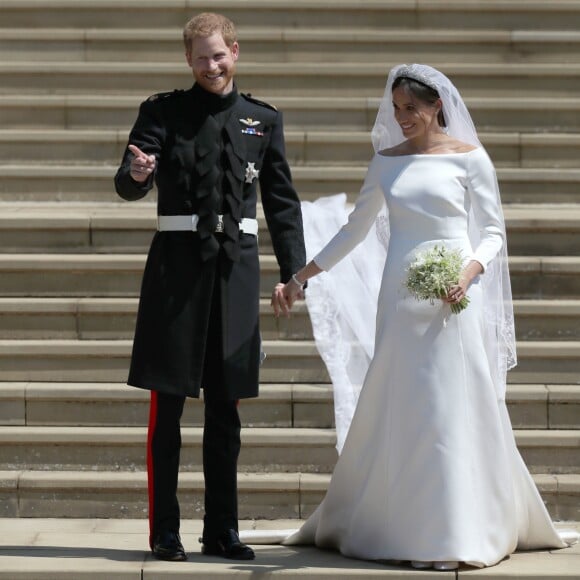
(429, 470)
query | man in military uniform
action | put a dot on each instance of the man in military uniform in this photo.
(206, 148)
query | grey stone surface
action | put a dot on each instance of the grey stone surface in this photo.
(89, 549)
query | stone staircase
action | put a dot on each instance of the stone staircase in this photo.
(72, 74)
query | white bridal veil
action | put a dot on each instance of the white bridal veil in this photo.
(342, 302)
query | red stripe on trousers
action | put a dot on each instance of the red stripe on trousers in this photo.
(150, 483)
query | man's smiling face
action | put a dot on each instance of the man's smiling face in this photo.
(213, 63)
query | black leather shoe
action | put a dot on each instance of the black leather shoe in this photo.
(168, 546)
(228, 545)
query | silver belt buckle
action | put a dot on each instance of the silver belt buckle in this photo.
(219, 228)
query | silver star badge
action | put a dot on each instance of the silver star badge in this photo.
(251, 172)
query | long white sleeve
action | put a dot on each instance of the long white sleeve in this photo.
(367, 206)
(484, 195)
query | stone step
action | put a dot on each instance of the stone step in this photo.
(534, 406)
(279, 405)
(264, 449)
(542, 229)
(502, 114)
(78, 146)
(288, 361)
(119, 275)
(103, 275)
(174, 13)
(122, 449)
(445, 14)
(118, 227)
(288, 44)
(114, 318)
(285, 79)
(25, 182)
(543, 361)
(547, 319)
(90, 549)
(537, 277)
(114, 494)
(108, 361)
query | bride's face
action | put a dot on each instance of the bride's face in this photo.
(415, 116)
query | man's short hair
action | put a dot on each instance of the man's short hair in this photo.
(206, 24)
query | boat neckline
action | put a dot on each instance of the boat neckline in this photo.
(426, 154)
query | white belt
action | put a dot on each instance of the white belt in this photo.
(188, 223)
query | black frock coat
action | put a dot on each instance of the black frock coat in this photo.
(173, 321)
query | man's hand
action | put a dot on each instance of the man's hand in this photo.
(284, 296)
(142, 165)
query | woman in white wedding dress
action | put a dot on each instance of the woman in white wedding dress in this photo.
(429, 471)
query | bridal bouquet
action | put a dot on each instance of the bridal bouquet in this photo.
(433, 272)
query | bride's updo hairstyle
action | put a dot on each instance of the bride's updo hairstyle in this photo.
(422, 92)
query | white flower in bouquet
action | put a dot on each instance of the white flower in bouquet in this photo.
(433, 272)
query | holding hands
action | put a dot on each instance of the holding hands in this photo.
(142, 165)
(284, 296)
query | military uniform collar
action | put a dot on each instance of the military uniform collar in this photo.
(213, 102)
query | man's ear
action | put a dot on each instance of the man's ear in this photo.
(188, 56)
(235, 48)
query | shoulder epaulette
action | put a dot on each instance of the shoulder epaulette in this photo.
(249, 97)
(159, 96)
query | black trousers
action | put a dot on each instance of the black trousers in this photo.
(221, 444)
(221, 448)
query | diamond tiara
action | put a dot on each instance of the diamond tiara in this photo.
(411, 72)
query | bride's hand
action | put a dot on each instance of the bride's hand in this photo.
(457, 292)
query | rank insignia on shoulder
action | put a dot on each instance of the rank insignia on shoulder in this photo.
(165, 95)
(249, 122)
(249, 97)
